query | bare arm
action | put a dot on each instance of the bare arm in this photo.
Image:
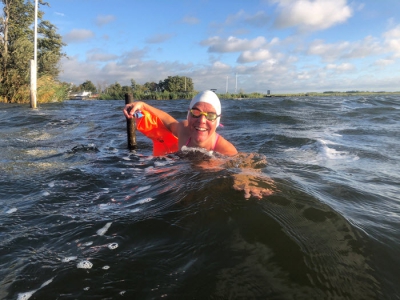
(225, 147)
(170, 123)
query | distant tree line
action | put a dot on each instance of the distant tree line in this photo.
(173, 87)
(17, 48)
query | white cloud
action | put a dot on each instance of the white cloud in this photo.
(232, 44)
(100, 56)
(221, 66)
(393, 33)
(328, 52)
(103, 20)
(129, 65)
(346, 50)
(190, 20)
(133, 57)
(251, 56)
(71, 70)
(159, 38)
(392, 40)
(367, 47)
(259, 19)
(303, 76)
(78, 35)
(340, 68)
(394, 46)
(310, 15)
(384, 62)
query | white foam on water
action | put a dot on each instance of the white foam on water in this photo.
(197, 149)
(103, 230)
(162, 163)
(85, 264)
(112, 246)
(47, 283)
(105, 267)
(143, 188)
(51, 184)
(44, 136)
(45, 193)
(11, 210)
(69, 258)
(142, 201)
(27, 295)
(87, 243)
(106, 205)
(148, 169)
(321, 152)
(187, 265)
(331, 154)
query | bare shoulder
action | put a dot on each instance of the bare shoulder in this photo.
(182, 132)
(225, 147)
(184, 123)
(177, 128)
(181, 127)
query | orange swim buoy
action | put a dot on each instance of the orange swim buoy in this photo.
(164, 141)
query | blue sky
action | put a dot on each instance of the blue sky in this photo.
(285, 46)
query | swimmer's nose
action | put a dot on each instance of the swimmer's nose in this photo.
(202, 118)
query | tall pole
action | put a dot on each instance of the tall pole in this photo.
(130, 126)
(226, 92)
(35, 37)
(236, 84)
(34, 62)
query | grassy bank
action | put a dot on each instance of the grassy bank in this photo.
(48, 90)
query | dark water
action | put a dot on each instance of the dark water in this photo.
(72, 194)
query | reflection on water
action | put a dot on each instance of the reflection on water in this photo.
(178, 230)
(83, 218)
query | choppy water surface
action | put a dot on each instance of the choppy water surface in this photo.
(81, 217)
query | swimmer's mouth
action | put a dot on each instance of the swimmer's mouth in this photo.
(200, 129)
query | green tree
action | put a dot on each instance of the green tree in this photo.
(126, 90)
(49, 49)
(150, 86)
(161, 87)
(134, 85)
(178, 84)
(88, 86)
(115, 91)
(16, 47)
(189, 84)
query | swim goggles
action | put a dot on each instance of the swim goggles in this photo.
(210, 116)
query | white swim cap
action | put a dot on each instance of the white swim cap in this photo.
(208, 97)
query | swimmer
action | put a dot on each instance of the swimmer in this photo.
(199, 129)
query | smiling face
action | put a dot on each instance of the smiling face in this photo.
(202, 130)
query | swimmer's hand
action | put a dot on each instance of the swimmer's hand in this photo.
(132, 108)
(253, 186)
